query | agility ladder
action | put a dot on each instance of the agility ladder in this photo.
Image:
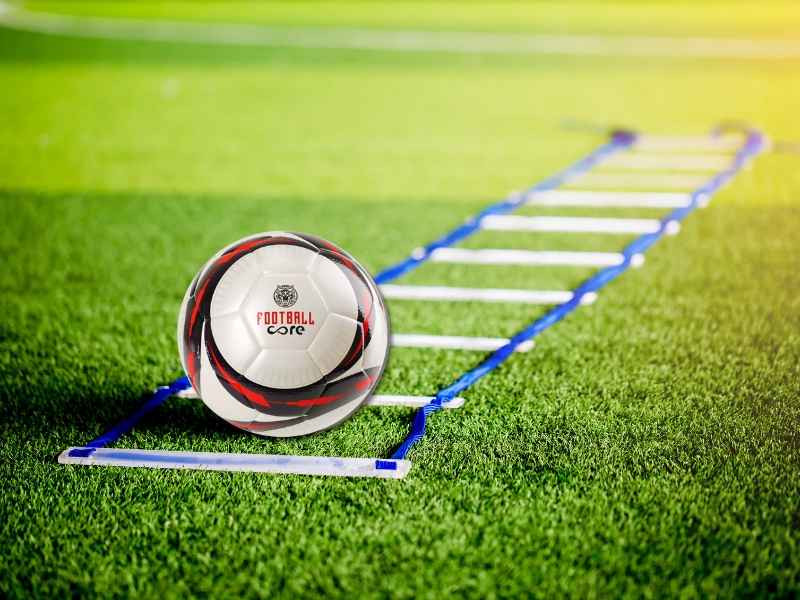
(629, 162)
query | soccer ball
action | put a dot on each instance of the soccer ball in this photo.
(283, 334)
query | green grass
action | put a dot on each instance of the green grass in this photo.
(647, 446)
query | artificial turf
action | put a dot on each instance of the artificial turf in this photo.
(647, 446)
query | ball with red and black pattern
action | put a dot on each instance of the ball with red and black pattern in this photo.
(283, 370)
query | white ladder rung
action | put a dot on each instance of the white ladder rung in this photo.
(251, 463)
(374, 400)
(413, 401)
(667, 162)
(454, 342)
(420, 292)
(609, 199)
(527, 257)
(676, 143)
(570, 224)
(643, 181)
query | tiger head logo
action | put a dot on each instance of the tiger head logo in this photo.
(285, 296)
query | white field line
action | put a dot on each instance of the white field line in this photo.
(642, 181)
(375, 400)
(399, 40)
(678, 143)
(570, 224)
(454, 342)
(222, 461)
(526, 257)
(421, 292)
(634, 161)
(604, 199)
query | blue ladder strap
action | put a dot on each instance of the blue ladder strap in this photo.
(124, 426)
(619, 141)
(751, 148)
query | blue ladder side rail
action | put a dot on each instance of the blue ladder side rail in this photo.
(751, 148)
(619, 140)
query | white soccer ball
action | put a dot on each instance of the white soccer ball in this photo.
(283, 334)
